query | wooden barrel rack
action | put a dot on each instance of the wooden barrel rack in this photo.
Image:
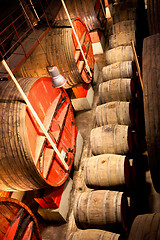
(63, 51)
(17, 221)
(27, 159)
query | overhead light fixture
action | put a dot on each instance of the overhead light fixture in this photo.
(57, 79)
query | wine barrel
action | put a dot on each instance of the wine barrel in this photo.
(17, 221)
(124, 6)
(107, 170)
(124, 15)
(93, 234)
(119, 70)
(102, 209)
(27, 159)
(122, 39)
(119, 54)
(114, 139)
(62, 50)
(82, 9)
(123, 27)
(116, 90)
(145, 227)
(115, 113)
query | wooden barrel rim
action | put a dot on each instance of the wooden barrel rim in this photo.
(69, 114)
(137, 121)
(124, 212)
(75, 212)
(127, 172)
(130, 140)
(22, 205)
(131, 112)
(136, 140)
(88, 80)
(22, 136)
(134, 69)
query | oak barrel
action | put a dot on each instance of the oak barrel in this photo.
(123, 26)
(107, 170)
(114, 139)
(82, 9)
(119, 54)
(122, 39)
(145, 227)
(117, 70)
(122, 89)
(124, 15)
(17, 221)
(101, 209)
(93, 234)
(124, 6)
(115, 113)
(27, 161)
(62, 50)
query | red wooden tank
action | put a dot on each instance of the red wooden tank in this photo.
(27, 161)
(85, 40)
(62, 50)
(17, 221)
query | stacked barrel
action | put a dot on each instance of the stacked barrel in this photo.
(114, 142)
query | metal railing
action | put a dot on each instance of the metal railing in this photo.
(15, 27)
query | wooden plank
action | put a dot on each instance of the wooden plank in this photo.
(29, 231)
(78, 52)
(14, 226)
(47, 123)
(80, 64)
(51, 112)
(49, 153)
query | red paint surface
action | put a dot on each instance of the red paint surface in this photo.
(96, 36)
(41, 96)
(80, 28)
(12, 217)
(81, 90)
(51, 197)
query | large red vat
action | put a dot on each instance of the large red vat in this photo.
(27, 160)
(17, 221)
(62, 50)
